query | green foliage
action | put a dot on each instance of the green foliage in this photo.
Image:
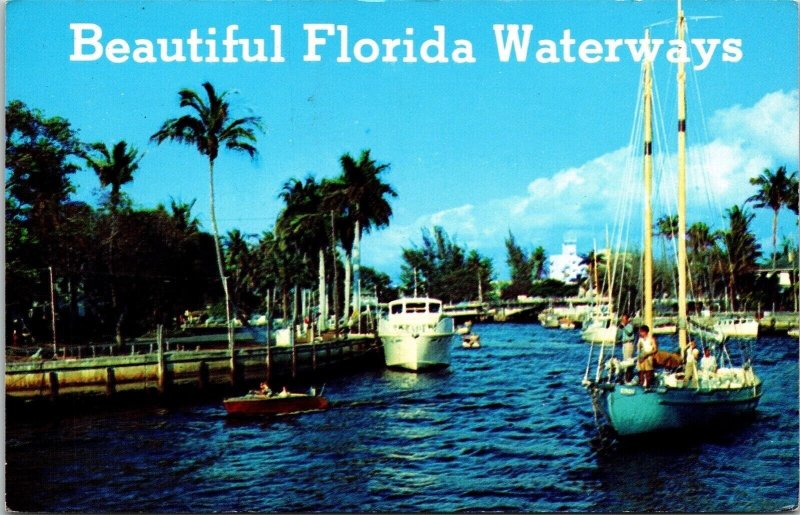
(775, 190)
(742, 252)
(378, 283)
(524, 268)
(444, 269)
(553, 288)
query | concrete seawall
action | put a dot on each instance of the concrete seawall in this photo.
(193, 369)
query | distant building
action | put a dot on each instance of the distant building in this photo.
(566, 267)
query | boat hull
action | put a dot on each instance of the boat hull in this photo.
(632, 410)
(417, 352)
(599, 334)
(745, 329)
(260, 405)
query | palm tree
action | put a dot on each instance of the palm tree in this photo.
(774, 192)
(368, 205)
(539, 259)
(239, 264)
(304, 224)
(114, 168)
(741, 247)
(667, 227)
(334, 199)
(701, 240)
(592, 261)
(208, 127)
(181, 212)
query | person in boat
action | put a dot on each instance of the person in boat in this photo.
(264, 389)
(625, 330)
(690, 358)
(648, 347)
(708, 365)
(625, 337)
(284, 392)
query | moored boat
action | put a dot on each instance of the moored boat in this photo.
(737, 327)
(599, 330)
(275, 404)
(416, 335)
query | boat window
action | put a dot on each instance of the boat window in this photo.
(397, 309)
(433, 307)
(415, 307)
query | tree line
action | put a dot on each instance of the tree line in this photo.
(118, 270)
(121, 270)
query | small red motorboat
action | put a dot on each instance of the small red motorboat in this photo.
(257, 403)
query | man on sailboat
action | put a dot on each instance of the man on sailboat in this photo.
(647, 349)
(625, 337)
(690, 359)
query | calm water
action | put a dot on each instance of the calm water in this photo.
(507, 428)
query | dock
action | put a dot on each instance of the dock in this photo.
(163, 371)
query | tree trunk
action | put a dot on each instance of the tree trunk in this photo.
(774, 237)
(220, 264)
(112, 277)
(323, 307)
(285, 302)
(347, 285)
(357, 273)
(335, 288)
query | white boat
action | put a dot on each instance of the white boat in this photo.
(416, 335)
(738, 327)
(665, 329)
(599, 330)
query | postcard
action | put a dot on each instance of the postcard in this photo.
(396, 256)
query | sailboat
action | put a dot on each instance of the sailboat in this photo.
(669, 404)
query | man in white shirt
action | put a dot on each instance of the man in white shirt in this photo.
(708, 365)
(647, 349)
(690, 358)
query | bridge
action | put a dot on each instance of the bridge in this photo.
(521, 309)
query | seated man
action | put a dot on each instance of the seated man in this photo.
(708, 365)
(284, 392)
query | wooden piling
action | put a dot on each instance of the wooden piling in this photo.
(162, 360)
(203, 375)
(111, 381)
(53, 384)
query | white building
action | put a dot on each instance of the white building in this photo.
(566, 267)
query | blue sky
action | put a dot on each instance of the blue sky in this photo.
(481, 149)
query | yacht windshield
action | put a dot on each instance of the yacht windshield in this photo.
(415, 307)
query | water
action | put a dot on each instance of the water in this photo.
(508, 427)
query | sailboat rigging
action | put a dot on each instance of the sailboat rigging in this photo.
(667, 399)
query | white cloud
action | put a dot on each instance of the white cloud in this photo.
(586, 198)
(770, 125)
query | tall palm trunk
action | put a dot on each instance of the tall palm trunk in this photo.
(220, 265)
(335, 287)
(774, 236)
(113, 279)
(323, 304)
(347, 284)
(357, 273)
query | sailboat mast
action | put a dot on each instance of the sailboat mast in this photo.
(682, 317)
(648, 188)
